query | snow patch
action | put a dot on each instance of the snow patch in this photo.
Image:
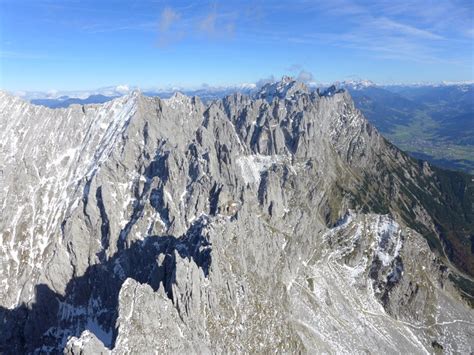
(388, 240)
(252, 166)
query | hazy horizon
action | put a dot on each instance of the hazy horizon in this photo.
(124, 89)
(83, 45)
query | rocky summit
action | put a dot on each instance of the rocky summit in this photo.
(279, 222)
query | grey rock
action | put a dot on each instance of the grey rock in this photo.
(242, 225)
(87, 343)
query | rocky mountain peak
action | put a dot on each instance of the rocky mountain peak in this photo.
(286, 88)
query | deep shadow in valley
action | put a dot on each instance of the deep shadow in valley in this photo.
(93, 297)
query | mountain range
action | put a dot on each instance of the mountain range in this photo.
(434, 122)
(280, 221)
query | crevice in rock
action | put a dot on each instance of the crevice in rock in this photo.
(262, 187)
(214, 199)
(85, 200)
(157, 168)
(105, 225)
(158, 203)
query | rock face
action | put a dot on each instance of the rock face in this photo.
(280, 223)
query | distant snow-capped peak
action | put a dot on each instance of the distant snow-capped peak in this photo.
(287, 87)
(356, 84)
(110, 91)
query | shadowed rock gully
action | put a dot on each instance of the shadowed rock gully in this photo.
(93, 297)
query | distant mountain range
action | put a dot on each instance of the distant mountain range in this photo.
(434, 122)
(66, 101)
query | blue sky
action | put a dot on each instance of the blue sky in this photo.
(84, 44)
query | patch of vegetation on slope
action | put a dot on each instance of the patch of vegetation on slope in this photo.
(407, 187)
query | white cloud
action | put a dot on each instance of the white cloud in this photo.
(261, 82)
(305, 76)
(53, 93)
(208, 24)
(410, 30)
(173, 27)
(384, 23)
(168, 18)
(122, 89)
(216, 24)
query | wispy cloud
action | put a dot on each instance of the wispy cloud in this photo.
(107, 28)
(208, 23)
(175, 26)
(170, 29)
(294, 68)
(215, 24)
(300, 73)
(261, 82)
(305, 76)
(385, 24)
(470, 32)
(406, 30)
(378, 46)
(22, 55)
(168, 18)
